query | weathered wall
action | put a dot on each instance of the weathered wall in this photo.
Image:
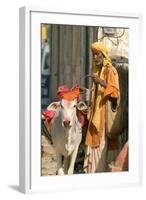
(70, 54)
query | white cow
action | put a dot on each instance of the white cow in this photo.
(66, 133)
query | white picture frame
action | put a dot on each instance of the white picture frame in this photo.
(30, 178)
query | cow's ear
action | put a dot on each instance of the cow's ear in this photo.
(82, 106)
(54, 105)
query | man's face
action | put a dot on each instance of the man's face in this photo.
(97, 58)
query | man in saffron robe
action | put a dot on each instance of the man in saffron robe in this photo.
(105, 87)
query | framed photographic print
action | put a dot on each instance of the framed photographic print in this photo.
(79, 119)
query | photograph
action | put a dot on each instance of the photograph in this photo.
(84, 99)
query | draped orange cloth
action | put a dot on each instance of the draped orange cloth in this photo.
(69, 94)
(96, 115)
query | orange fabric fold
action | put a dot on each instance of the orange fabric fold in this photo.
(64, 93)
(112, 88)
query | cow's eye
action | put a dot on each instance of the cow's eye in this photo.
(62, 106)
(75, 106)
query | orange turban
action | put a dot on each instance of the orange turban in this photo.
(99, 46)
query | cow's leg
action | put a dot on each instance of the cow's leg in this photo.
(72, 160)
(60, 170)
(66, 164)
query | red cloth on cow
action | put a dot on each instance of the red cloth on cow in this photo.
(64, 93)
(48, 114)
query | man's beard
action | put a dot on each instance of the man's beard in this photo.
(99, 64)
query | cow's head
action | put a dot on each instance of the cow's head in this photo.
(67, 110)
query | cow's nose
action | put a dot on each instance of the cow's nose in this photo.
(66, 123)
